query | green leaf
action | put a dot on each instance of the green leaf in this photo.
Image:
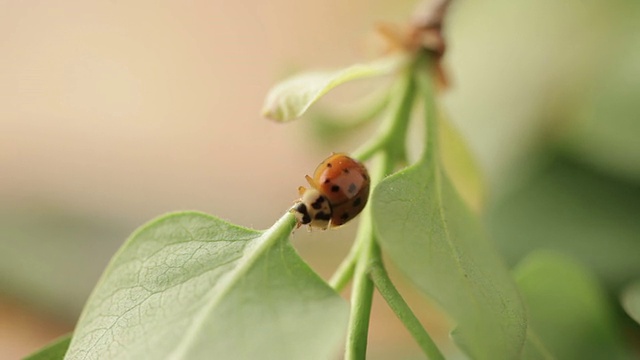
(433, 237)
(330, 126)
(568, 309)
(631, 300)
(290, 99)
(604, 130)
(53, 351)
(585, 213)
(534, 349)
(460, 164)
(191, 286)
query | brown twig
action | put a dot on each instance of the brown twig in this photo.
(425, 32)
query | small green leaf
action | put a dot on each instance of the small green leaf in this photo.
(330, 126)
(53, 351)
(568, 309)
(433, 237)
(631, 300)
(191, 286)
(292, 97)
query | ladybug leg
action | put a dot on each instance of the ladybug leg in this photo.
(301, 190)
(311, 182)
(329, 225)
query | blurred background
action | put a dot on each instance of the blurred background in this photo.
(113, 112)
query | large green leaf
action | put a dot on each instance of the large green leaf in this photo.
(191, 286)
(292, 97)
(433, 237)
(568, 309)
(53, 351)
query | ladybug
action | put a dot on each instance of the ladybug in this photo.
(339, 191)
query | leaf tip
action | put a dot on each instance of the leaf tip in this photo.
(272, 111)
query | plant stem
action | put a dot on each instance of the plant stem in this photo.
(362, 292)
(427, 93)
(391, 295)
(390, 144)
(378, 274)
(424, 82)
(393, 130)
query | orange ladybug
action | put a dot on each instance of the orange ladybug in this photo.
(339, 191)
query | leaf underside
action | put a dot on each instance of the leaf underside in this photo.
(291, 98)
(431, 235)
(189, 285)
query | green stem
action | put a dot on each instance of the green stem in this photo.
(393, 131)
(361, 295)
(391, 140)
(364, 262)
(362, 292)
(370, 148)
(427, 93)
(378, 274)
(401, 308)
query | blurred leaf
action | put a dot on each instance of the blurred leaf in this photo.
(433, 237)
(631, 300)
(53, 351)
(568, 207)
(461, 165)
(188, 285)
(290, 99)
(43, 246)
(332, 125)
(568, 309)
(534, 349)
(605, 131)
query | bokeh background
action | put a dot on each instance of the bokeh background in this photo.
(114, 112)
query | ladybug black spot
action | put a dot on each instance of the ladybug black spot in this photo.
(318, 203)
(323, 216)
(329, 165)
(302, 209)
(345, 170)
(326, 181)
(352, 188)
(335, 188)
(344, 216)
(357, 202)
